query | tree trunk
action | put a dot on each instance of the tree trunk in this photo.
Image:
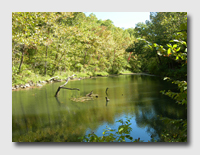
(85, 57)
(22, 58)
(113, 62)
(46, 62)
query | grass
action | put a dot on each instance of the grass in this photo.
(23, 78)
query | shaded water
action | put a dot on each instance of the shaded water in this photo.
(38, 116)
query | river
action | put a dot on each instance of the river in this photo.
(39, 116)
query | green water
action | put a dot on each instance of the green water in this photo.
(38, 116)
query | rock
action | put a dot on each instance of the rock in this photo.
(58, 80)
(30, 83)
(27, 85)
(16, 86)
(23, 86)
(13, 88)
(74, 78)
(38, 85)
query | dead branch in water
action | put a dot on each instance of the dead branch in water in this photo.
(62, 86)
(90, 94)
(106, 91)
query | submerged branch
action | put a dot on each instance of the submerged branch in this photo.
(106, 91)
(70, 88)
(62, 86)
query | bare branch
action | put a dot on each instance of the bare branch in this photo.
(70, 88)
(62, 86)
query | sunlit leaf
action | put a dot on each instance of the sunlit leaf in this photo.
(169, 45)
(166, 78)
(158, 52)
(169, 51)
(175, 45)
(174, 40)
(121, 129)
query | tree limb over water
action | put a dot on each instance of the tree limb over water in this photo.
(62, 86)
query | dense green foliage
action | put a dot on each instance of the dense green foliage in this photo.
(46, 44)
(155, 52)
(161, 49)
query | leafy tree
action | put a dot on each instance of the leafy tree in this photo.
(162, 27)
(46, 43)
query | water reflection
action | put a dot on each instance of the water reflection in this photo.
(106, 103)
(43, 117)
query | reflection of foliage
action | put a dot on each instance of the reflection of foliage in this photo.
(67, 120)
(121, 135)
(49, 135)
(179, 132)
(175, 131)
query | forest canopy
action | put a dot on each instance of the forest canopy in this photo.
(46, 44)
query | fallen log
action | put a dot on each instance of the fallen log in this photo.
(62, 86)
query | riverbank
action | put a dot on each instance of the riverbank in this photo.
(36, 80)
(40, 81)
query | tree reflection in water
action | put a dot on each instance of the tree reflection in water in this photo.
(43, 117)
